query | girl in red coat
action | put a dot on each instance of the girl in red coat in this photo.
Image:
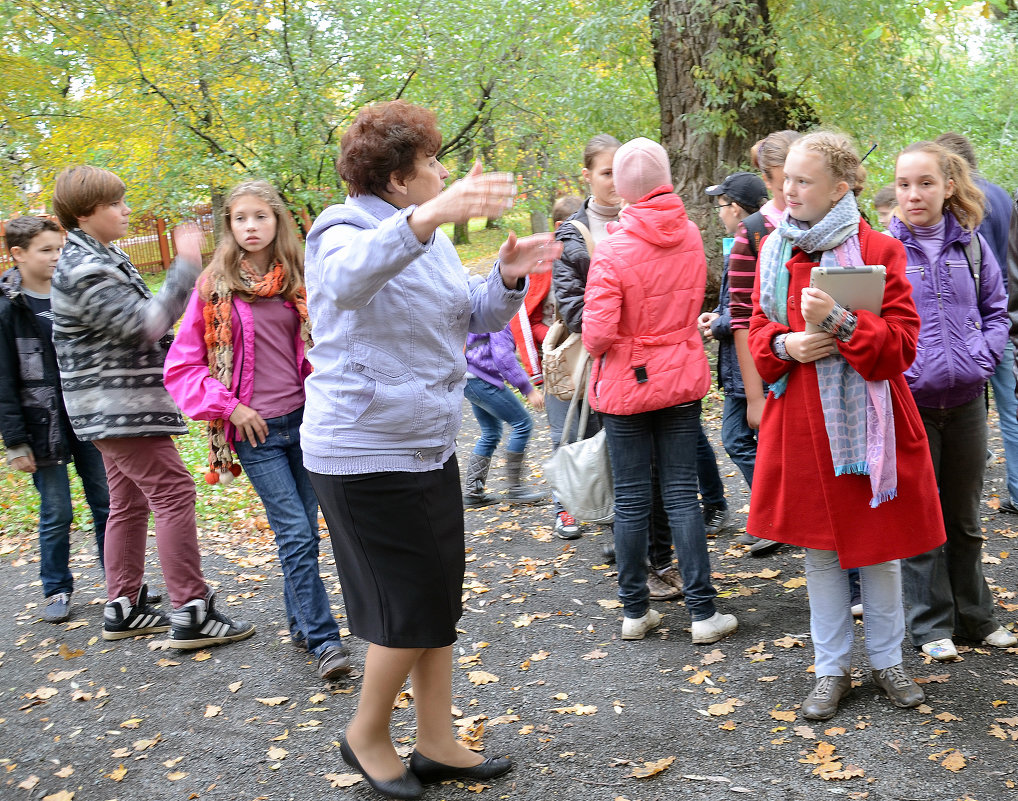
(843, 467)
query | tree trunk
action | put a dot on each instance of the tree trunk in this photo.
(461, 231)
(697, 44)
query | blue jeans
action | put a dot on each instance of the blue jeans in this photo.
(1003, 384)
(738, 438)
(668, 438)
(276, 471)
(708, 477)
(492, 405)
(56, 513)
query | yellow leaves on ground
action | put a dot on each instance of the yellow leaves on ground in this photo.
(952, 760)
(795, 583)
(612, 604)
(597, 653)
(176, 775)
(42, 693)
(713, 657)
(276, 701)
(276, 753)
(211, 710)
(132, 723)
(828, 764)
(480, 677)
(577, 709)
(649, 769)
(788, 641)
(235, 686)
(70, 653)
(201, 656)
(29, 783)
(525, 620)
(786, 715)
(164, 662)
(724, 708)
(117, 774)
(338, 780)
(62, 795)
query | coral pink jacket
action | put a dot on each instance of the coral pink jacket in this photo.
(644, 292)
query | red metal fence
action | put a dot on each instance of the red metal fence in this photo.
(148, 243)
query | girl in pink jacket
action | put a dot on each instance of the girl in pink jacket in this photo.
(644, 293)
(239, 362)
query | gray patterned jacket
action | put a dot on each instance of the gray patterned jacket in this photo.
(111, 335)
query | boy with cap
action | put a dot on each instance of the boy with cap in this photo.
(738, 196)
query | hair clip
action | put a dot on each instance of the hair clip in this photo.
(872, 148)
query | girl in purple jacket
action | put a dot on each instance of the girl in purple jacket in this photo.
(957, 288)
(491, 363)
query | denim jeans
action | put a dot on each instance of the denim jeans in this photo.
(830, 613)
(275, 469)
(738, 438)
(1003, 383)
(668, 438)
(492, 405)
(945, 591)
(56, 513)
(708, 477)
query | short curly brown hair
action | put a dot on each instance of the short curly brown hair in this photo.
(386, 138)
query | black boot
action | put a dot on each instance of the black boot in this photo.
(513, 473)
(477, 474)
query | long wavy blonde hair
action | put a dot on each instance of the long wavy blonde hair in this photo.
(967, 202)
(287, 248)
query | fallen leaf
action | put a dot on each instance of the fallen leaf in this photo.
(834, 731)
(806, 732)
(176, 775)
(947, 717)
(799, 581)
(724, 708)
(540, 656)
(132, 723)
(728, 725)
(481, 677)
(649, 769)
(578, 709)
(211, 710)
(29, 783)
(64, 772)
(235, 686)
(275, 701)
(954, 761)
(201, 656)
(276, 753)
(714, 656)
(786, 715)
(144, 745)
(62, 795)
(613, 604)
(597, 653)
(788, 641)
(164, 662)
(70, 653)
(338, 780)
(940, 678)
(117, 774)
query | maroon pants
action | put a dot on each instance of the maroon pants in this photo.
(147, 474)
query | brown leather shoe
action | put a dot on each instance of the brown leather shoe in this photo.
(895, 682)
(822, 702)
(660, 590)
(670, 575)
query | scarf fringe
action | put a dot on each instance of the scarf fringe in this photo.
(858, 468)
(880, 497)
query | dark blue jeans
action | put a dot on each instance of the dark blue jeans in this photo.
(276, 471)
(492, 405)
(56, 513)
(738, 438)
(668, 438)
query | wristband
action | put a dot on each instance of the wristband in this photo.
(840, 322)
(778, 346)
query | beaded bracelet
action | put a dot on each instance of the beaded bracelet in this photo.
(840, 322)
(778, 346)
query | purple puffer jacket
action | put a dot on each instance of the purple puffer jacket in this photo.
(492, 358)
(961, 339)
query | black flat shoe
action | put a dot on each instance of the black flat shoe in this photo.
(406, 786)
(431, 772)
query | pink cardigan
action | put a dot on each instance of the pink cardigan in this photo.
(186, 370)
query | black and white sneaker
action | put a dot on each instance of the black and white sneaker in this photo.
(197, 624)
(715, 518)
(122, 619)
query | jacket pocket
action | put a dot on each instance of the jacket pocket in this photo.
(980, 365)
(396, 396)
(30, 356)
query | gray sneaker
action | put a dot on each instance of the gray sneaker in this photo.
(58, 608)
(822, 702)
(334, 663)
(897, 685)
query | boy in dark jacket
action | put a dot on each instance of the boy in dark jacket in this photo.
(33, 421)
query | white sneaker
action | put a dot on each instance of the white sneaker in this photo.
(634, 628)
(1001, 638)
(713, 628)
(941, 650)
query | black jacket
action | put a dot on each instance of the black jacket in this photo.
(569, 273)
(31, 406)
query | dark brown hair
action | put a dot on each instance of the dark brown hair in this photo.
(78, 190)
(386, 138)
(19, 232)
(887, 196)
(565, 207)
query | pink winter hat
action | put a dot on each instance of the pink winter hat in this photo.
(640, 166)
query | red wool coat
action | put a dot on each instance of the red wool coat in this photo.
(644, 292)
(796, 497)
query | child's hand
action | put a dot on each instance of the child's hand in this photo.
(810, 347)
(249, 424)
(187, 239)
(26, 464)
(536, 399)
(816, 305)
(703, 323)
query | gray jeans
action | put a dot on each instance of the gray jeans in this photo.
(945, 591)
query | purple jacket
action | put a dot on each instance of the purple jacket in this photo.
(961, 338)
(492, 358)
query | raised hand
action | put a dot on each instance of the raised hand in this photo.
(531, 254)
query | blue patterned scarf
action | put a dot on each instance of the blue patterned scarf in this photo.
(857, 413)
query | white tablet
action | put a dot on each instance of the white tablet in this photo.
(854, 288)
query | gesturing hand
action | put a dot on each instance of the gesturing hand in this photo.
(531, 254)
(187, 239)
(478, 194)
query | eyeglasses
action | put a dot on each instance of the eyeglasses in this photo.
(723, 205)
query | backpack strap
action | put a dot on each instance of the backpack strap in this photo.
(755, 231)
(974, 256)
(588, 238)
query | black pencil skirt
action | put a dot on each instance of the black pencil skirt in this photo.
(399, 546)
